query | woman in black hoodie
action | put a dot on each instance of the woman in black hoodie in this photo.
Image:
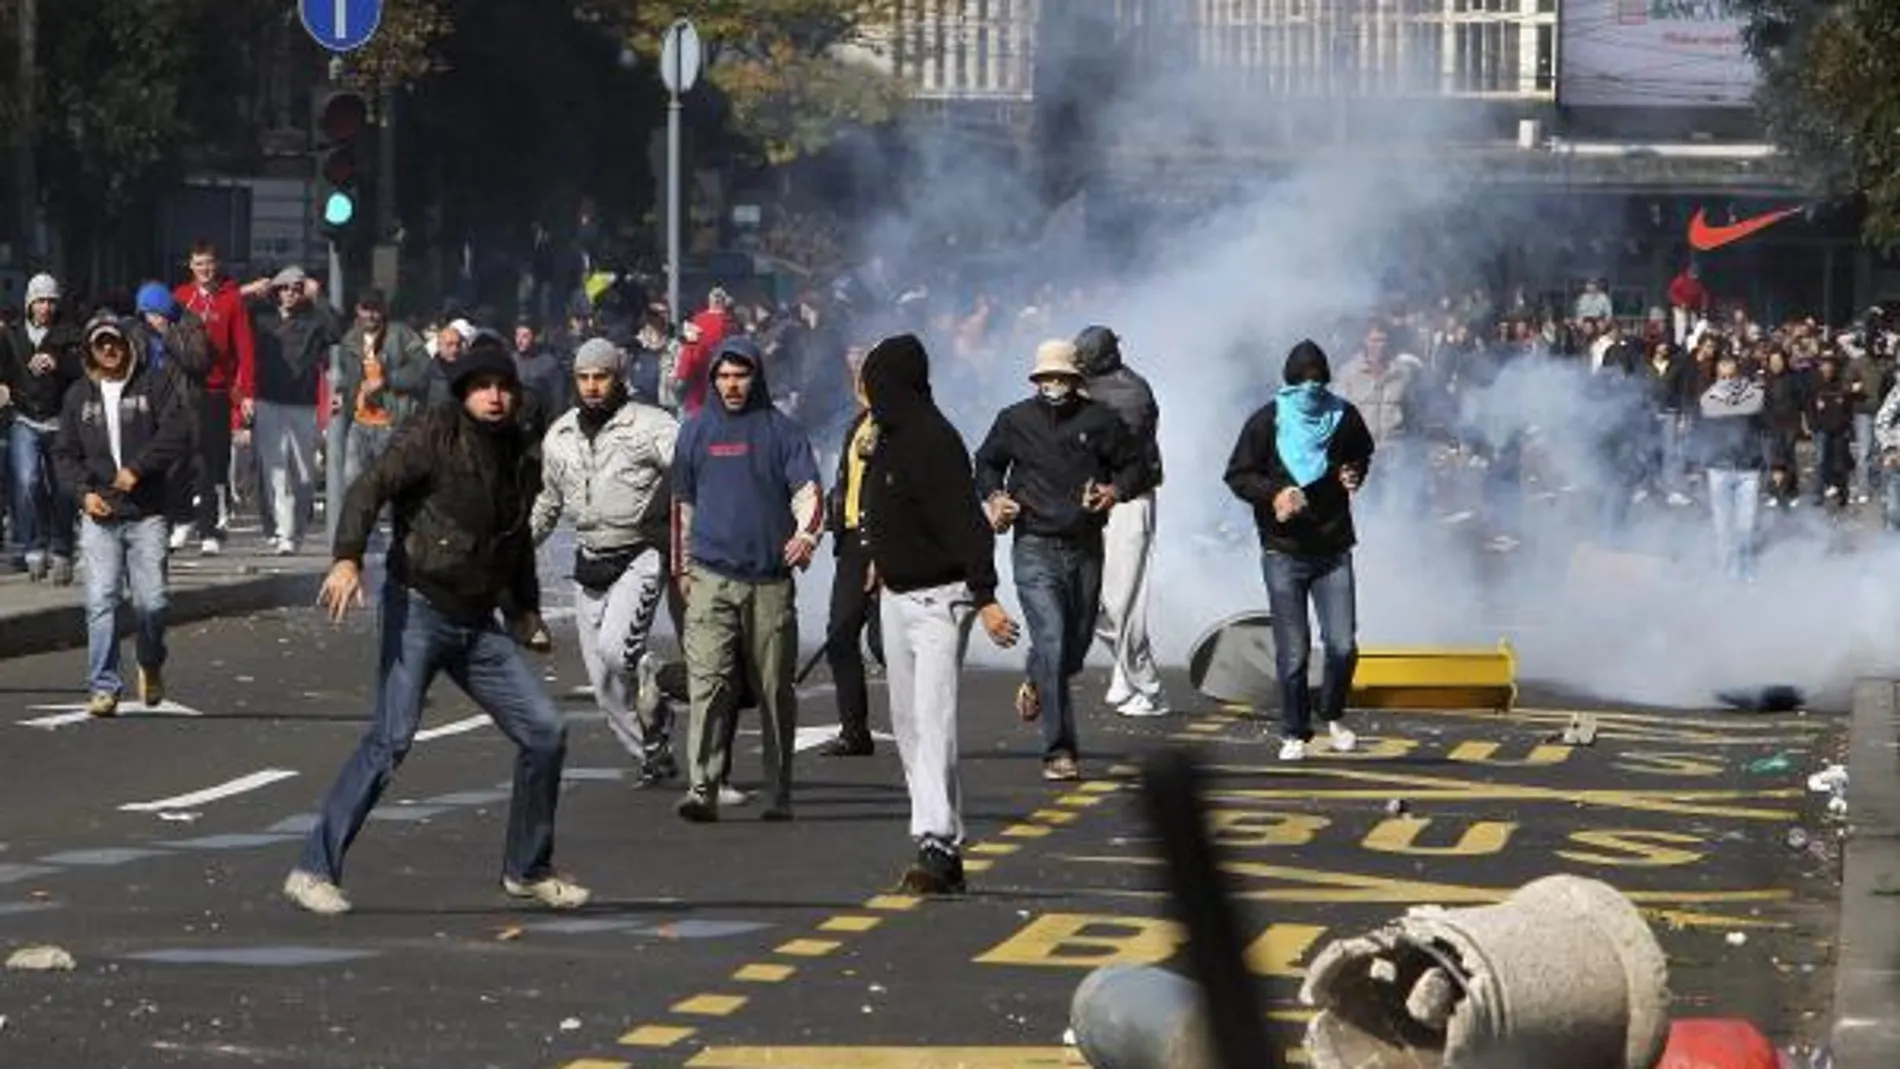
(1298, 462)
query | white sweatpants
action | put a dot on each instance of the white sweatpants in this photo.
(1128, 547)
(925, 635)
(613, 626)
(285, 438)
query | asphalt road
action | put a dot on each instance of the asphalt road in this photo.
(748, 946)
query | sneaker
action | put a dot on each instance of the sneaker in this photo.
(1141, 705)
(551, 891)
(1061, 768)
(151, 686)
(1118, 696)
(847, 746)
(284, 547)
(1293, 750)
(657, 767)
(315, 894)
(938, 870)
(1341, 737)
(646, 691)
(733, 796)
(35, 567)
(1678, 500)
(62, 571)
(103, 703)
(699, 806)
(181, 536)
(210, 547)
(1028, 701)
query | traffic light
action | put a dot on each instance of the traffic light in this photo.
(340, 125)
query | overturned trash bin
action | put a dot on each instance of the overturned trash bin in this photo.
(1564, 974)
(1140, 1017)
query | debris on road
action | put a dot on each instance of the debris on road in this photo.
(1581, 731)
(1565, 974)
(40, 959)
(1140, 1017)
(1780, 762)
(571, 1024)
(1774, 698)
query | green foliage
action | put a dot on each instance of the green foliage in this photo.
(407, 45)
(1831, 95)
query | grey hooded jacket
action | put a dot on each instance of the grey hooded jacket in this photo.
(1113, 384)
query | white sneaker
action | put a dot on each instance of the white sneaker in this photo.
(1341, 736)
(1678, 500)
(1293, 750)
(210, 547)
(284, 547)
(1141, 705)
(181, 536)
(315, 893)
(732, 796)
(1118, 696)
(551, 891)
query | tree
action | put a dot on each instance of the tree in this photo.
(1831, 95)
(782, 64)
(406, 47)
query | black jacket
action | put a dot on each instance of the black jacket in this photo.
(293, 353)
(1672, 390)
(40, 397)
(156, 417)
(1256, 475)
(1045, 456)
(921, 516)
(834, 498)
(1111, 382)
(460, 494)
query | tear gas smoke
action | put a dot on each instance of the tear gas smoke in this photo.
(1207, 314)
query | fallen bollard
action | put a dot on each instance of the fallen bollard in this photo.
(1140, 1017)
(1564, 974)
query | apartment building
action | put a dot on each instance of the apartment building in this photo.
(985, 50)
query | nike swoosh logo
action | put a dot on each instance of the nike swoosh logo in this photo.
(1704, 237)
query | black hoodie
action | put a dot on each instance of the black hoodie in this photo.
(1112, 383)
(1256, 474)
(922, 521)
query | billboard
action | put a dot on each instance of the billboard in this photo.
(1652, 54)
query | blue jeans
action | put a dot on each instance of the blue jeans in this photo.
(1326, 584)
(416, 642)
(1059, 582)
(1866, 453)
(1735, 505)
(1890, 499)
(127, 554)
(42, 510)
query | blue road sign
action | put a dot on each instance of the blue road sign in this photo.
(341, 25)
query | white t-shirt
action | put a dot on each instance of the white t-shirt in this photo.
(112, 392)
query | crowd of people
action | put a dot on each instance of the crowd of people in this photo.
(691, 463)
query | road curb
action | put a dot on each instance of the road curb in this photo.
(1866, 1030)
(64, 626)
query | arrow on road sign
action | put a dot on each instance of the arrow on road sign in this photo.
(341, 25)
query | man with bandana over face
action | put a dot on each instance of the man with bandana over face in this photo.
(1052, 467)
(1299, 460)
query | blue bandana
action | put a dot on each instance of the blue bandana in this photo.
(1306, 415)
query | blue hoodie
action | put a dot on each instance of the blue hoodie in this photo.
(739, 471)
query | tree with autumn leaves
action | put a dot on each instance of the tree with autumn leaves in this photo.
(1830, 93)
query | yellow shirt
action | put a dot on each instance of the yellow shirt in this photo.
(854, 471)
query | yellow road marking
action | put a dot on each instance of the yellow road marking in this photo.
(978, 864)
(1053, 816)
(1025, 831)
(763, 973)
(656, 1035)
(807, 948)
(596, 1063)
(1098, 787)
(1083, 800)
(998, 849)
(711, 1005)
(850, 924)
(1441, 788)
(893, 903)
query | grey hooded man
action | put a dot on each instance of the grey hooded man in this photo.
(1134, 686)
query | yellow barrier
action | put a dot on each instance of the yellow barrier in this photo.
(1435, 677)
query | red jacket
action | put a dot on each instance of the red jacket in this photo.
(1687, 291)
(694, 368)
(228, 329)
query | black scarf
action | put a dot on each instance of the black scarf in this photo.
(593, 417)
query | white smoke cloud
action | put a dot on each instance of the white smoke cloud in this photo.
(1207, 314)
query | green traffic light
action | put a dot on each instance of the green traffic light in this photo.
(339, 209)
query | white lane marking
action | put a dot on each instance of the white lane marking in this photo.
(811, 736)
(457, 727)
(76, 714)
(211, 794)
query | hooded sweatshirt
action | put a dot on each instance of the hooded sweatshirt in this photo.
(1112, 383)
(1259, 470)
(923, 524)
(153, 432)
(739, 473)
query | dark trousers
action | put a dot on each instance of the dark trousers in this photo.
(417, 642)
(213, 469)
(853, 612)
(1059, 582)
(1325, 583)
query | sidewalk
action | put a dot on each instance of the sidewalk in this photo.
(40, 617)
(1866, 1031)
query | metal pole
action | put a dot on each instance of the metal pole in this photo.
(26, 156)
(673, 110)
(386, 166)
(335, 438)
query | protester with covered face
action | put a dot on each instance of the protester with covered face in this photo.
(461, 482)
(748, 511)
(933, 551)
(605, 465)
(40, 359)
(123, 430)
(1727, 442)
(1052, 467)
(1298, 461)
(854, 599)
(1134, 686)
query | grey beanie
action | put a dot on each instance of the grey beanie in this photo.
(42, 287)
(599, 354)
